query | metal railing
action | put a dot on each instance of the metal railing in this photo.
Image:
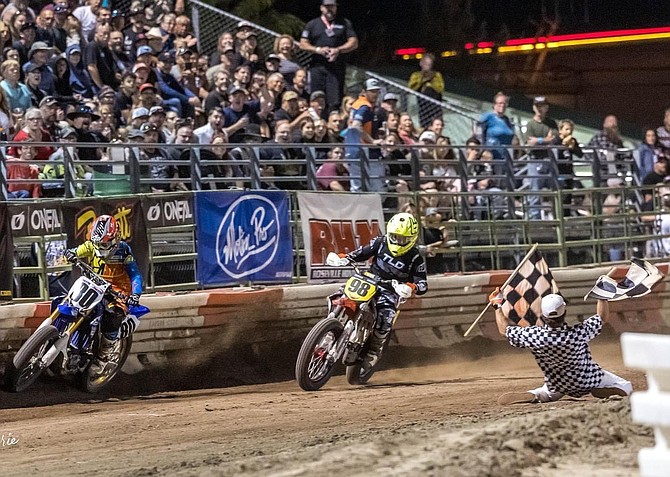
(482, 216)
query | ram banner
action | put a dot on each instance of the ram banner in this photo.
(336, 223)
(243, 237)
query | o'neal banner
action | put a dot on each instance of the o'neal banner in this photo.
(243, 237)
(336, 223)
(6, 254)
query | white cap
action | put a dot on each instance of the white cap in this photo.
(428, 135)
(553, 306)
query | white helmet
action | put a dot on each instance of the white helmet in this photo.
(553, 306)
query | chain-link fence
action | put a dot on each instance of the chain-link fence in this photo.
(209, 23)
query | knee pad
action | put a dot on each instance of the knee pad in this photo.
(385, 320)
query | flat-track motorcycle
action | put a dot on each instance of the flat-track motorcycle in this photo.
(344, 333)
(67, 342)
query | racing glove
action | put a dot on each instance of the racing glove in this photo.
(71, 255)
(496, 298)
(133, 300)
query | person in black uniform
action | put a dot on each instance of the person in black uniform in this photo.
(395, 257)
(328, 37)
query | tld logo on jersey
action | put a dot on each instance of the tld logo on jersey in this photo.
(399, 264)
(248, 236)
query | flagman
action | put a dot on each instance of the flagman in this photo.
(561, 351)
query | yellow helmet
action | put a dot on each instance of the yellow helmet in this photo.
(402, 232)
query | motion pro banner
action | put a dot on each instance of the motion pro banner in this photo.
(78, 216)
(243, 237)
(336, 223)
(7, 251)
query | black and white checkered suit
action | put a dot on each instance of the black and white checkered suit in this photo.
(563, 354)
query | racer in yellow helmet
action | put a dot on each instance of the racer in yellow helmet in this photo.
(402, 232)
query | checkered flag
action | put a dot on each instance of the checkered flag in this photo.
(523, 295)
(639, 280)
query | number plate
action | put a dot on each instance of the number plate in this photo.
(360, 288)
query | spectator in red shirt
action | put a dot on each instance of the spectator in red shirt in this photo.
(19, 168)
(32, 131)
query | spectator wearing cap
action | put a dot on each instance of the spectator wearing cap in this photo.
(25, 40)
(157, 116)
(122, 61)
(49, 109)
(118, 20)
(17, 93)
(123, 98)
(17, 6)
(249, 53)
(55, 168)
(240, 113)
(145, 56)
(284, 48)
(214, 126)
(242, 30)
(541, 131)
(88, 17)
(272, 62)
(138, 117)
(360, 130)
(160, 169)
(175, 96)
(328, 37)
(428, 82)
(61, 12)
(32, 131)
(155, 40)
(80, 79)
(33, 80)
(218, 97)
(380, 122)
(317, 101)
(148, 97)
(80, 120)
(289, 110)
(99, 60)
(136, 27)
(38, 56)
(185, 62)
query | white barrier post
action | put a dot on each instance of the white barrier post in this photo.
(651, 353)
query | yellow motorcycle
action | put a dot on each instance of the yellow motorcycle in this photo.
(344, 333)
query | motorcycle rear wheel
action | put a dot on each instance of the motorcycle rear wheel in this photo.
(94, 383)
(312, 368)
(25, 367)
(356, 375)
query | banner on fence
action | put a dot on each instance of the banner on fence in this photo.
(243, 237)
(168, 211)
(336, 223)
(78, 216)
(36, 218)
(7, 251)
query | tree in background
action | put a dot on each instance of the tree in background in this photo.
(262, 12)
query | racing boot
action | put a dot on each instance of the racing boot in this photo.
(106, 353)
(375, 347)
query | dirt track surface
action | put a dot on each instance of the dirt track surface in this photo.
(440, 419)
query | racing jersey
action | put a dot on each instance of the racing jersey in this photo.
(409, 267)
(120, 269)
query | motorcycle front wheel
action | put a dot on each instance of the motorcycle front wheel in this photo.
(92, 382)
(26, 366)
(313, 369)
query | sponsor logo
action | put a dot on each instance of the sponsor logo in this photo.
(41, 221)
(172, 211)
(248, 236)
(339, 236)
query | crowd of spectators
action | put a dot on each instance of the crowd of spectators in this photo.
(74, 74)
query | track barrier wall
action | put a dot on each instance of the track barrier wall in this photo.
(274, 315)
